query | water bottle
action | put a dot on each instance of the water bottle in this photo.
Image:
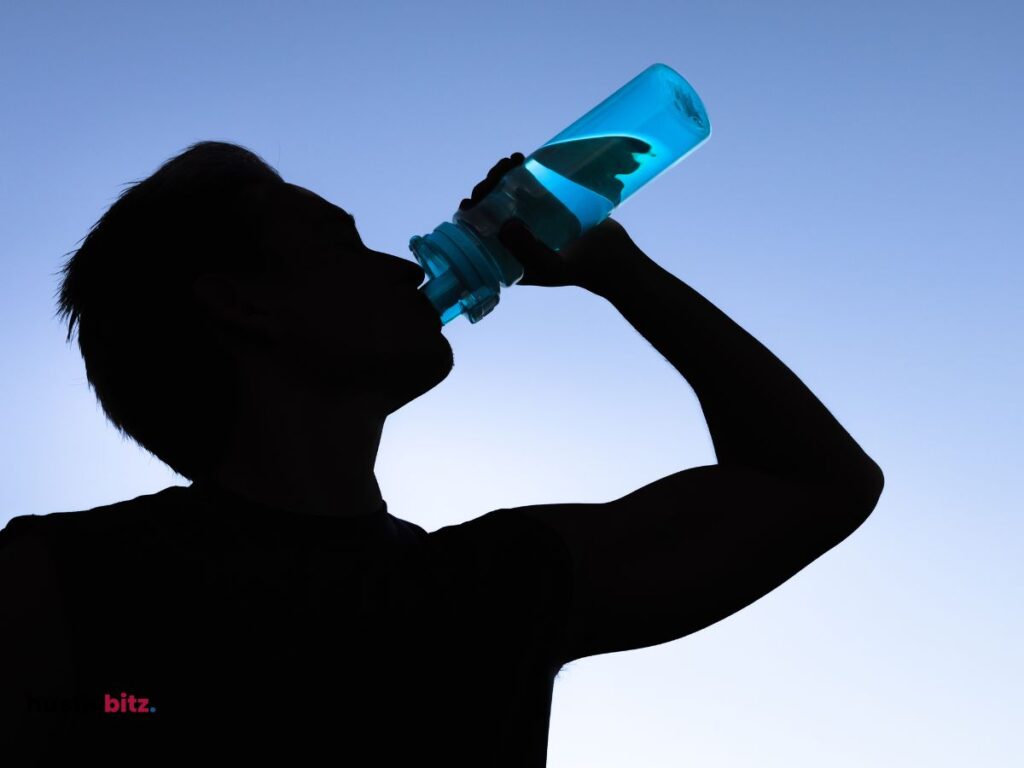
(564, 188)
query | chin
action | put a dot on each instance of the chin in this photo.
(407, 374)
(427, 370)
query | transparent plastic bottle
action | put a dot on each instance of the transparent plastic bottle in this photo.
(564, 188)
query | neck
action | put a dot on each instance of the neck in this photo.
(294, 448)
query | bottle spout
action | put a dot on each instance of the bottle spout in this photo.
(462, 278)
(443, 291)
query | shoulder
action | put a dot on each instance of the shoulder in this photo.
(516, 573)
(130, 515)
(506, 529)
(507, 550)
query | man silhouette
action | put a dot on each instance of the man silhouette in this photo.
(235, 325)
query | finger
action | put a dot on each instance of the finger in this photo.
(502, 167)
(516, 236)
(511, 231)
(492, 180)
(508, 162)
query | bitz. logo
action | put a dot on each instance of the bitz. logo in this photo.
(132, 703)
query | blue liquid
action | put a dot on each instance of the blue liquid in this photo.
(563, 189)
(587, 207)
(591, 176)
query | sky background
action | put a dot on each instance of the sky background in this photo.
(857, 209)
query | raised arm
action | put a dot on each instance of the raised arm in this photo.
(760, 415)
(696, 546)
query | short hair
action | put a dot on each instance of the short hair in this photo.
(154, 367)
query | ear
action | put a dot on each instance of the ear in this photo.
(237, 305)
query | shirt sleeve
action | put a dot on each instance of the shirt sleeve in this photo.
(517, 575)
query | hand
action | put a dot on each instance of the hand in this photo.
(494, 177)
(593, 261)
(589, 262)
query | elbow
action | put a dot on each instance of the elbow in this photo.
(876, 483)
(854, 492)
(865, 488)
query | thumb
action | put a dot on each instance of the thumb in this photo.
(518, 238)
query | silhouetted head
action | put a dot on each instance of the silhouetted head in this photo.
(213, 271)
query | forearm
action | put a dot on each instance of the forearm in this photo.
(758, 412)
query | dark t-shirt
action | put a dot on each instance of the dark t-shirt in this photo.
(262, 634)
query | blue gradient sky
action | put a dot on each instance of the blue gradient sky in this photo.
(857, 209)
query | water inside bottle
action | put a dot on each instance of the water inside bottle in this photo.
(583, 174)
(562, 190)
